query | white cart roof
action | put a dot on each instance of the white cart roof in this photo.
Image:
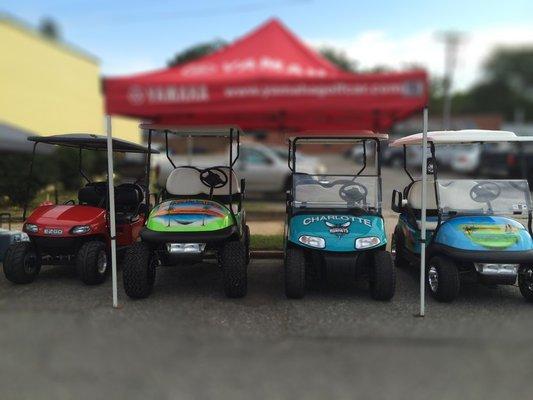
(462, 137)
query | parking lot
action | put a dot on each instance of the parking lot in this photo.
(188, 341)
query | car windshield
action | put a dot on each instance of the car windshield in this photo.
(484, 196)
(336, 191)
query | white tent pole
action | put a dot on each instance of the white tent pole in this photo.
(111, 191)
(423, 217)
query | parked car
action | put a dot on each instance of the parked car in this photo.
(264, 168)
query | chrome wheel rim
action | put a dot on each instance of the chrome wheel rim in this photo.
(393, 247)
(528, 273)
(102, 262)
(433, 279)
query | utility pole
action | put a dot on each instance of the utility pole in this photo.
(452, 40)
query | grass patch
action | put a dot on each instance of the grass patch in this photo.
(266, 242)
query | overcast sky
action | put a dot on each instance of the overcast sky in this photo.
(134, 35)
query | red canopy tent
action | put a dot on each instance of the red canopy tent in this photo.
(268, 80)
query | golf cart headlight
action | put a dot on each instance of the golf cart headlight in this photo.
(366, 242)
(312, 241)
(80, 229)
(31, 228)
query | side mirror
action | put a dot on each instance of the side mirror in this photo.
(243, 185)
(397, 200)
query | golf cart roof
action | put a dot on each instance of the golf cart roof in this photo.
(90, 141)
(462, 137)
(323, 136)
(220, 131)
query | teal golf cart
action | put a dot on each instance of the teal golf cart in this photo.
(477, 230)
(337, 219)
(197, 215)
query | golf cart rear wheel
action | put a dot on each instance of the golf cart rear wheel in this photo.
(22, 263)
(525, 281)
(92, 262)
(294, 273)
(234, 269)
(442, 277)
(397, 249)
(382, 276)
(138, 272)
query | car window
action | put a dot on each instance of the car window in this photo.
(255, 157)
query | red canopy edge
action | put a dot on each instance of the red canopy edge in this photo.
(268, 80)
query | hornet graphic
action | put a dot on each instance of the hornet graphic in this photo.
(338, 229)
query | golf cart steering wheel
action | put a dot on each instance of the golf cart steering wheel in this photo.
(485, 192)
(353, 192)
(69, 202)
(214, 178)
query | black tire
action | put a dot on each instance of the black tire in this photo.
(246, 239)
(22, 263)
(525, 281)
(448, 283)
(234, 269)
(92, 262)
(139, 270)
(294, 273)
(398, 248)
(382, 276)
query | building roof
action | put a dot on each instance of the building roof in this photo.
(70, 48)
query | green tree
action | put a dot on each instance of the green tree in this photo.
(49, 28)
(339, 58)
(196, 51)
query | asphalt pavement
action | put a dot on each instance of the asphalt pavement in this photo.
(62, 340)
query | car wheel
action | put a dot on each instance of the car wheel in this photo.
(294, 273)
(139, 271)
(234, 269)
(92, 262)
(525, 281)
(382, 276)
(397, 249)
(442, 277)
(21, 263)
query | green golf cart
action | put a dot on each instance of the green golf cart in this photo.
(198, 215)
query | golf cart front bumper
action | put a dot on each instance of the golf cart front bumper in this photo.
(220, 235)
(492, 267)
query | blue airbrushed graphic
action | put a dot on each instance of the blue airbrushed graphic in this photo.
(343, 238)
(465, 233)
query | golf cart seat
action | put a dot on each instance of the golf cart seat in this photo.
(128, 200)
(414, 201)
(93, 194)
(185, 181)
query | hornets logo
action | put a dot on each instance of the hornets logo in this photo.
(338, 230)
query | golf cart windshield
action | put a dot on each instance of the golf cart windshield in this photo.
(336, 191)
(483, 196)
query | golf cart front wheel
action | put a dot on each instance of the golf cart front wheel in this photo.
(294, 273)
(246, 236)
(138, 273)
(22, 263)
(92, 262)
(442, 277)
(525, 281)
(382, 276)
(234, 269)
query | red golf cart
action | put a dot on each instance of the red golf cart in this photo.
(77, 231)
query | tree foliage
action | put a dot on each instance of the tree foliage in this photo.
(339, 58)
(196, 51)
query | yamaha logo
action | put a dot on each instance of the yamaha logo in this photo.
(136, 95)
